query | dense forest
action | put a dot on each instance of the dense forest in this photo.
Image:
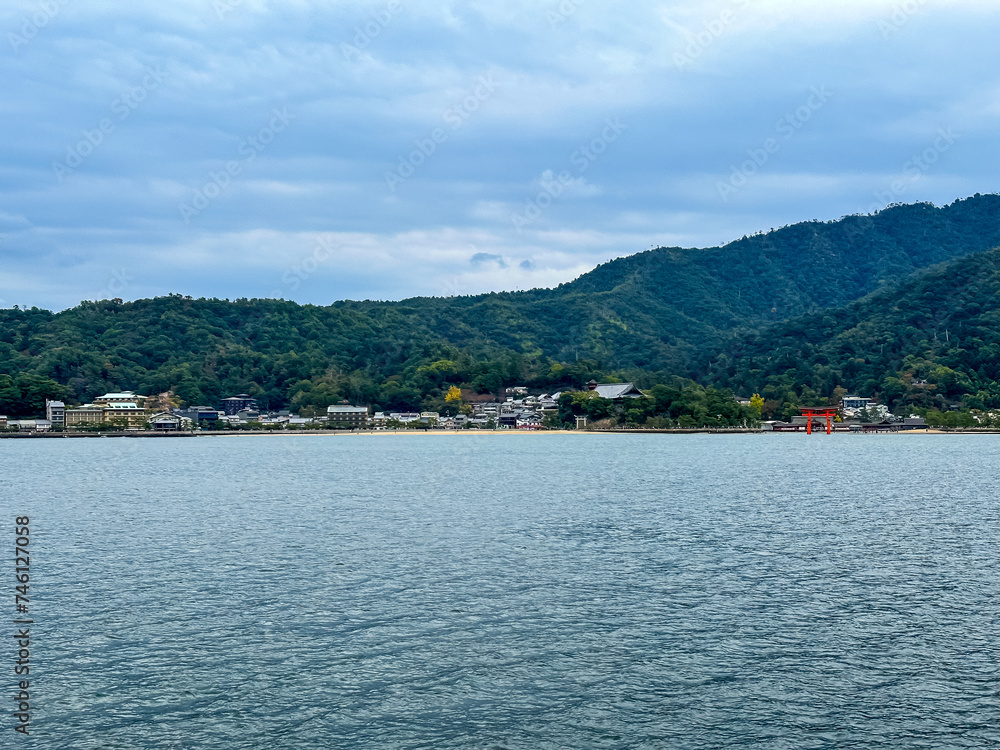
(930, 342)
(901, 304)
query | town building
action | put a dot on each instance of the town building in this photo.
(164, 421)
(354, 417)
(83, 416)
(125, 414)
(55, 412)
(124, 397)
(854, 404)
(29, 425)
(615, 391)
(235, 404)
(200, 416)
(3, 421)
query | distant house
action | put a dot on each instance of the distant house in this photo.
(235, 404)
(615, 391)
(354, 417)
(3, 421)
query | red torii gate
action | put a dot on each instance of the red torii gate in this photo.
(827, 412)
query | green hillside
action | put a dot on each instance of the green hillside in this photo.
(930, 342)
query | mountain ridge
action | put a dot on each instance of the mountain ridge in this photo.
(657, 314)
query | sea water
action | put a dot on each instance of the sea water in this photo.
(496, 591)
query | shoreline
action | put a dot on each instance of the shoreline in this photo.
(411, 433)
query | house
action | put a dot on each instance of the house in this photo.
(354, 417)
(55, 412)
(235, 404)
(615, 391)
(3, 421)
(507, 421)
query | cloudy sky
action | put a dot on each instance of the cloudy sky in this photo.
(378, 150)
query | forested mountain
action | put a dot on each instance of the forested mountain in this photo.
(930, 342)
(660, 309)
(649, 317)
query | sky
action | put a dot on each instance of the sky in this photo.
(317, 151)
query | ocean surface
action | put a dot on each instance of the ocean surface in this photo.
(494, 592)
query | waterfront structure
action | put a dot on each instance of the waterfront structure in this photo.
(29, 425)
(125, 414)
(3, 421)
(165, 422)
(199, 415)
(812, 413)
(83, 416)
(55, 412)
(350, 416)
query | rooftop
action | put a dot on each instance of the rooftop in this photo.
(616, 390)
